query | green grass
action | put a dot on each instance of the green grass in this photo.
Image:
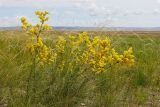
(121, 86)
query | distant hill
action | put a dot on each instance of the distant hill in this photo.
(136, 28)
(94, 28)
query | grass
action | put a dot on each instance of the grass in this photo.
(133, 87)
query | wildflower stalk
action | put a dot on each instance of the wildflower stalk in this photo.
(38, 50)
(39, 32)
(31, 77)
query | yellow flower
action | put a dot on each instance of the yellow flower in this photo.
(128, 58)
(84, 33)
(84, 57)
(30, 47)
(46, 27)
(106, 42)
(40, 42)
(34, 30)
(71, 37)
(24, 27)
(110, 59)
(23, 19)
(61, 44)
(42, 15)
(115, 54)
(38, 12)
(95, 40)
(83, 37)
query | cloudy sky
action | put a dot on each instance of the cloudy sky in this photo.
(98, 13)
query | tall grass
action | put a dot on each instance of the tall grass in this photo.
(50, 87)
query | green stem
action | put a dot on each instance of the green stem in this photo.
(33, 69)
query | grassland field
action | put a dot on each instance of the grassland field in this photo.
(138, 86)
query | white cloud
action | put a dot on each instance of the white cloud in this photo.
(7, 21)
(156, 11)
(39, 3)
(138, 12)
(26, 3)
(15, 20)
(158, 1)
(86, 12)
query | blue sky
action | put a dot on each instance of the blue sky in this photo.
(87, 13)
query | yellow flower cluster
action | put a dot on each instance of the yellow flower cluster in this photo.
(42, 52)
(91, 53)
(125, 58)
(128, 58)
(30, 47)
(45, 55)
(60, 46)
(25, 24)
(83, 37)
(46, 27)
(37, 29)
(34, 30)
(98, 50)
(42, 16)
(96, 53)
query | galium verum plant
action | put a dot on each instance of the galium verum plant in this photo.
(71, 62)
(37, 46)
